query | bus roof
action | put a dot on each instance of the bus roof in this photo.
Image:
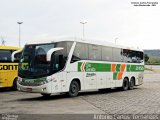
(75, 39)
(9, 48)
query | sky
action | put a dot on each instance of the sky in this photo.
(114, 21)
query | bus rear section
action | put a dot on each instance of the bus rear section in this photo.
(8, 69)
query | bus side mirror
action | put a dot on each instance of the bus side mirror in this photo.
(14, 54)
(51, 51)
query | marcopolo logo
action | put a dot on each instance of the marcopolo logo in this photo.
(8, 67)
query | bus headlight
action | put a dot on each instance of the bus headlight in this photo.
(46, 81)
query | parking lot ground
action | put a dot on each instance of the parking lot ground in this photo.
(33, 103)
(144, 99)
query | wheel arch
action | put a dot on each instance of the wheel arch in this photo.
(126, 78)
(14, 80)
(78, 81)
(14, 83)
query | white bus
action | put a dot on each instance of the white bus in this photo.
(73, 65)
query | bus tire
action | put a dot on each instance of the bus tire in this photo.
(125, 85)
(74, 89)
(45, 95)
(131, 84)
(14, 87)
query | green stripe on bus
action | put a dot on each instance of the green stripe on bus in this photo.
(79, 66)
(103, 67)
(128, 68)
(135, 68)
(115, 75)
(94, 67)
(118, 67)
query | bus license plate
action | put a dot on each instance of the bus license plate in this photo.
(29, 89)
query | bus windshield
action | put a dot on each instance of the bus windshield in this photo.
(33, 63)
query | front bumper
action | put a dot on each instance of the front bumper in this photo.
(45, 88)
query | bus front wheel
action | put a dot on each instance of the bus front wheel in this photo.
(74, 89)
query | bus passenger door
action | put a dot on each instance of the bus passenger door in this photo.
(90, 80)
(57, 65)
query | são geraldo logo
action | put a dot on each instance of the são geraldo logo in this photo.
(87, 67)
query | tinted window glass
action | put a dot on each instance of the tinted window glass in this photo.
(64, 46)
(34, 64)
(126, 56)
(132, 56)
(140, 57)
(95, 52)
(106, 53)
(80, 52)
(117, 55)
(5, 56)
(41, 52)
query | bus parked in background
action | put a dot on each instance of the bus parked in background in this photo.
(73, 65)
(8, 69)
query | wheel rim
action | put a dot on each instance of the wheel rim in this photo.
(131, 83)
(74, 88)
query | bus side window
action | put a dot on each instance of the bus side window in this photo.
(80, 52)
(117, 55)
(106, 53)
(95, 52)
(5, 56)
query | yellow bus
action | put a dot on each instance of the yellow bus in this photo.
(8, 69)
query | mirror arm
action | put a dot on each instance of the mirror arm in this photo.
(13, 54)
(51, 51)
